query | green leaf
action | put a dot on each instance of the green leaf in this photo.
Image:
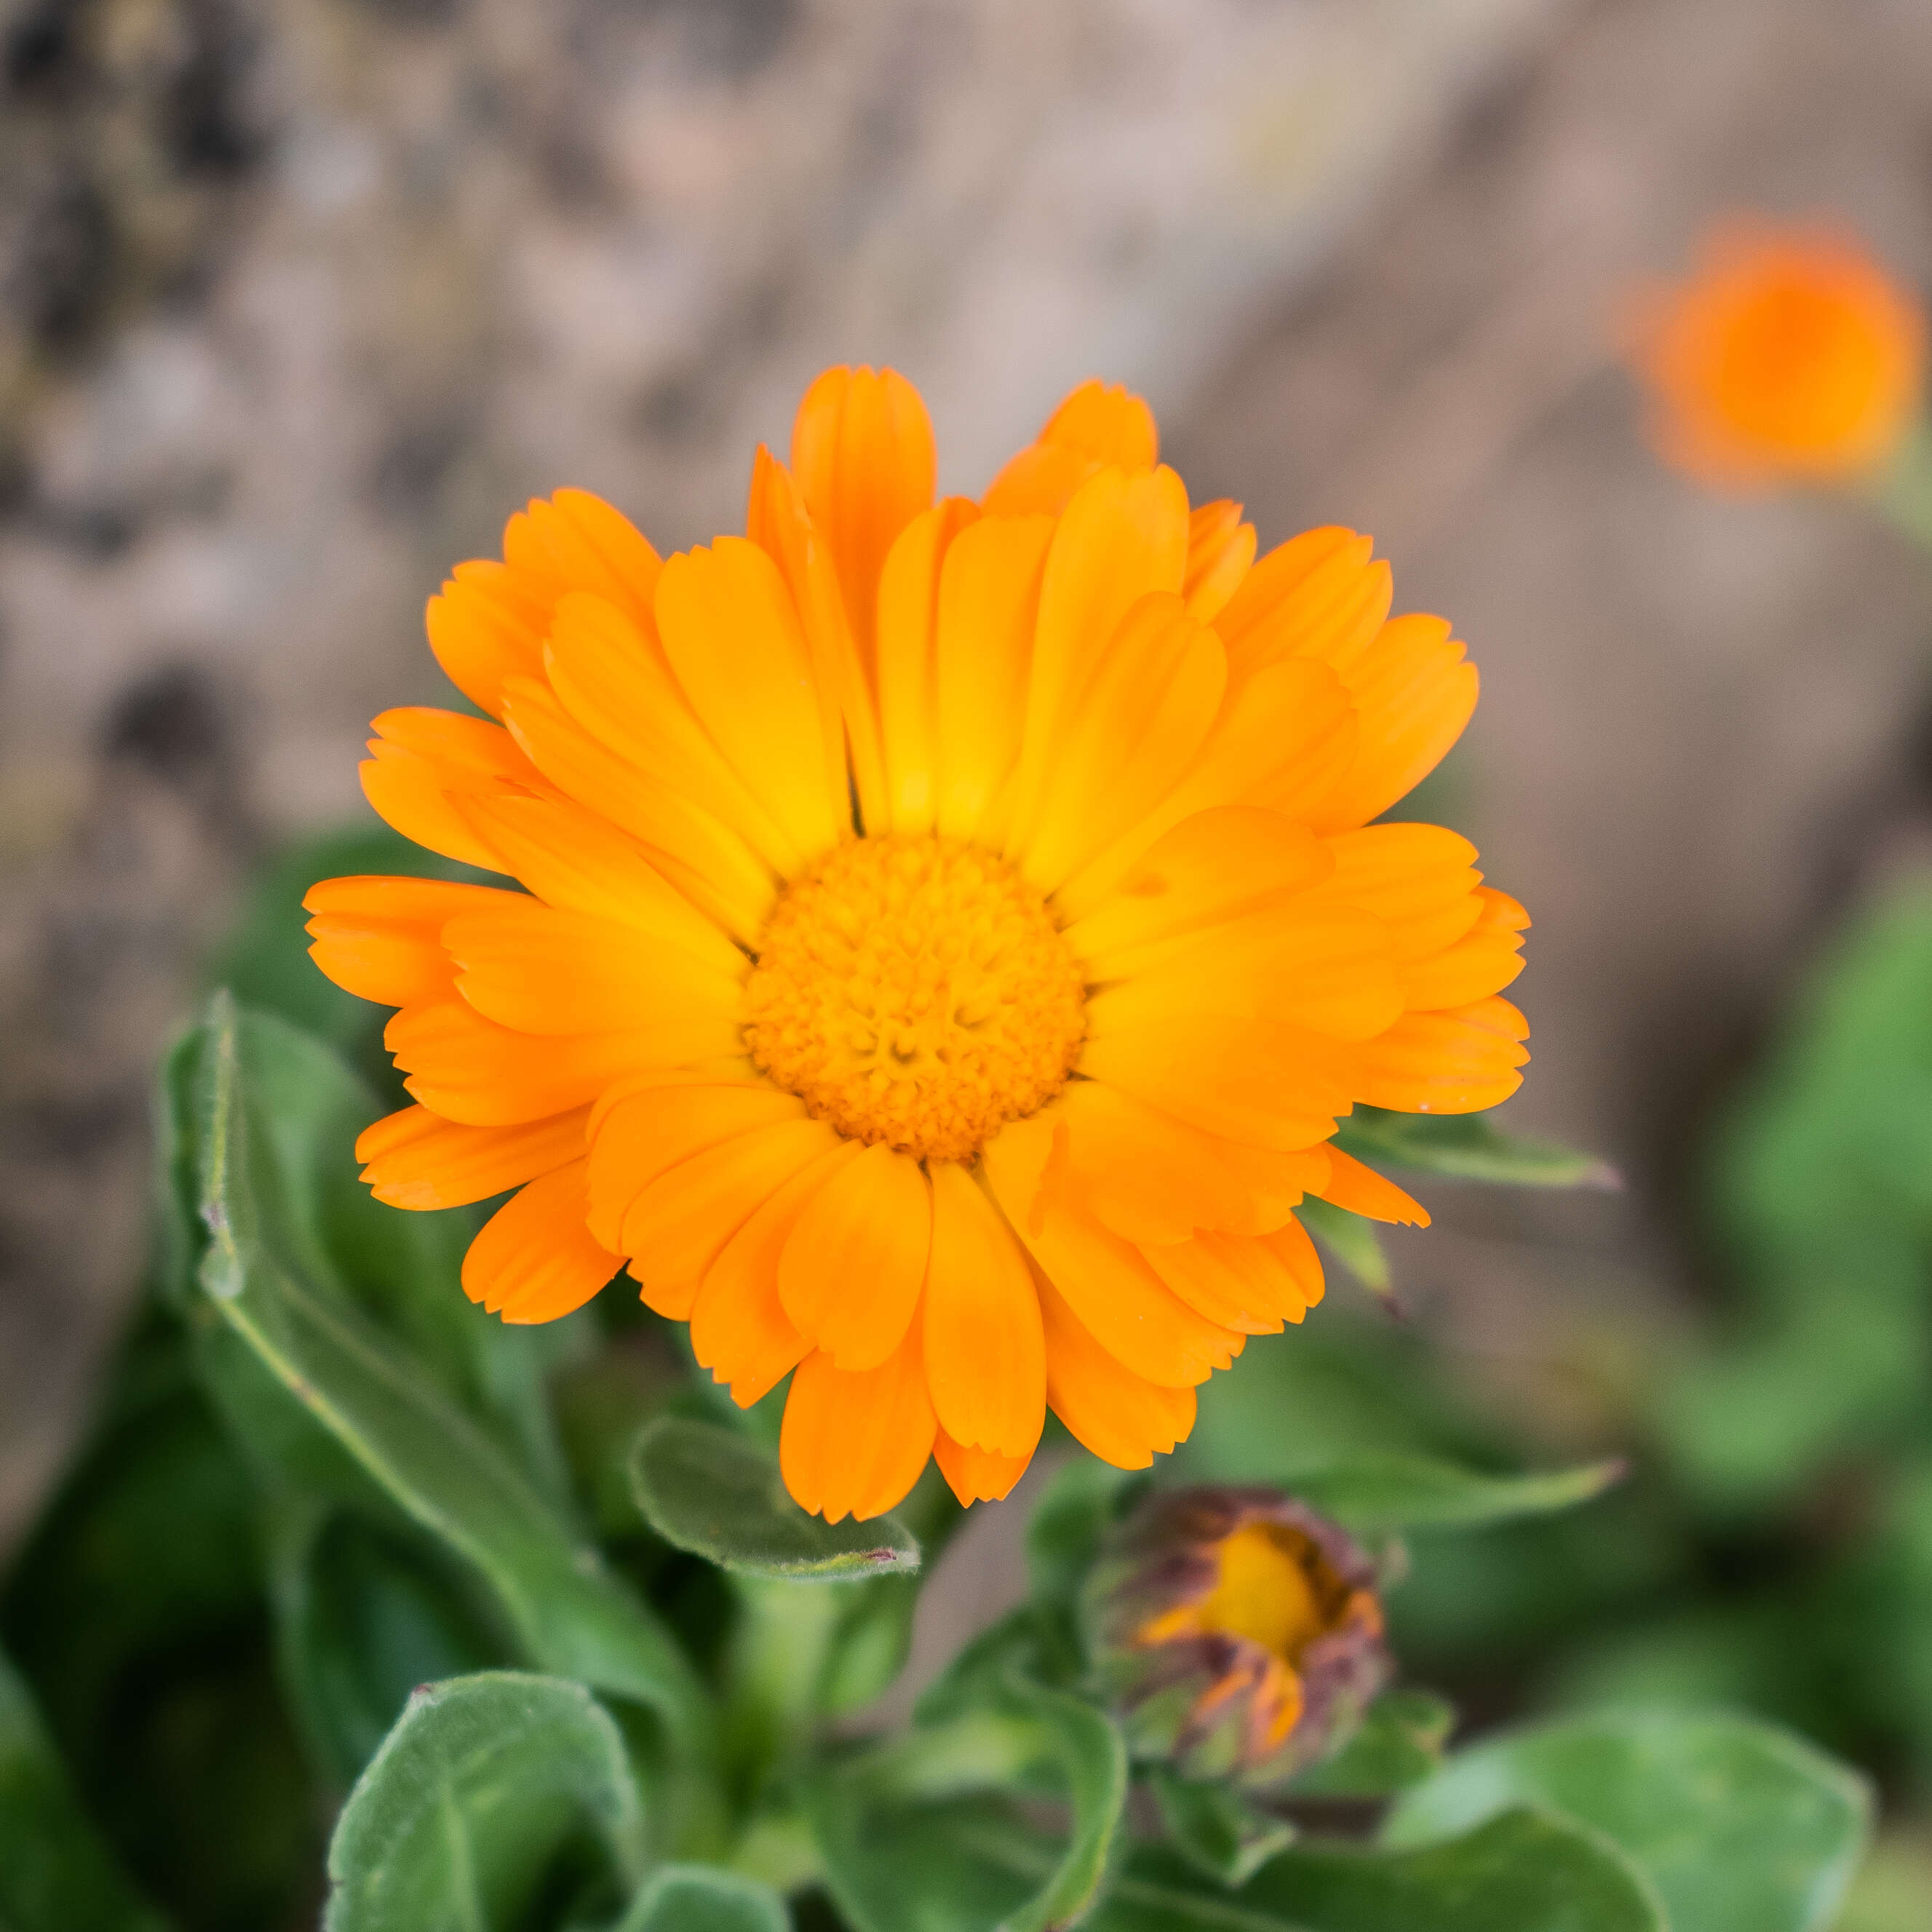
(702, 1898)
(56, 1873)
(1400, 1744)
(1384, 1492)
(1465, 1147)
(719, 1495)
(908, 1839)
(1217, 1829)
(1522, 1872)
(1352, 1240)
(358, 1387)
(485, 1789)
(364, 1616)
(1740, 1826)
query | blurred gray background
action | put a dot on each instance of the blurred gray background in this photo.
(299, 298)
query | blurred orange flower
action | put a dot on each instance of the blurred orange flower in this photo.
(1788, 355)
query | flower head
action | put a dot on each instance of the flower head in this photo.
(1239, 1632)
(939, 938)
(1789, 356)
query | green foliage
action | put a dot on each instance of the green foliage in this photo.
(1403, 1493)
(1400, 1744)
(1218, 1829)
(490, 1791)
(56, 1873)
(702, 1898)
(275, 1325)
(1740, 1827)
(1466, 1147)
(1525, 1870)
(922, 1832)
(1352, 1240)
(717, 1494)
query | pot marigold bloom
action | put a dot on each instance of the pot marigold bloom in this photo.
(948, 934)
(1789, 356)
(1239, 1633)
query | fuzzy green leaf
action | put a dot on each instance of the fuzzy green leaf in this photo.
(487, 1786)
(702, 1898)
(923, 1830)
(1400, 1744)
(1352, 1240)
(1388, 1493)
(1465, 1147)
(319, 1364)
(56, 1873)
(1217, 1829)
(1521, 1872)
(1742, 1827)
(719, 1495)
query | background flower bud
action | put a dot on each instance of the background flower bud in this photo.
(1238, 1633)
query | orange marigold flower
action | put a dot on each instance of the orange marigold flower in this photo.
(1789, 356)
(1239, 1633)
(950, 933)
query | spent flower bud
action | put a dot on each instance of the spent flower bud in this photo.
(1238, 1633)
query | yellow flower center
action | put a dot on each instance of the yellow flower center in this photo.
(1267, 1591)
(914, 991)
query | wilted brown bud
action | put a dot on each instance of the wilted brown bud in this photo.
(1239, 1634)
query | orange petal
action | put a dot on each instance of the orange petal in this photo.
(677, 1226)
(417, 1159)
(1420, 881)
(1484, 961)
(1285, 739)
(1121, 537)
(863, 450)
(854, 1443)
(1143, 719)
(1237, 1280)
(380, 938)
(535, 1260)
(908, 606)
(985, 1361)
(844, 685)
(977, 1475)
(1261, 1080)
(1315, 965)
(420, 757)
(1095, 425)
(1215, 866)
(739, 1328)
(542, 970)
(1414, 691)
(1319, 596)
(982, 644)
(647, 1127)
(485, 625)
(708, 863)
(469, 1069)
(1141, 1173)
(1118, 1298)
(611, 675)
(1457, 1062)
(1110, 1412)
(1363, 1191)
(1220, 548)
(850, 1273)
(576, 542)
(576, 859)
(732, 638)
